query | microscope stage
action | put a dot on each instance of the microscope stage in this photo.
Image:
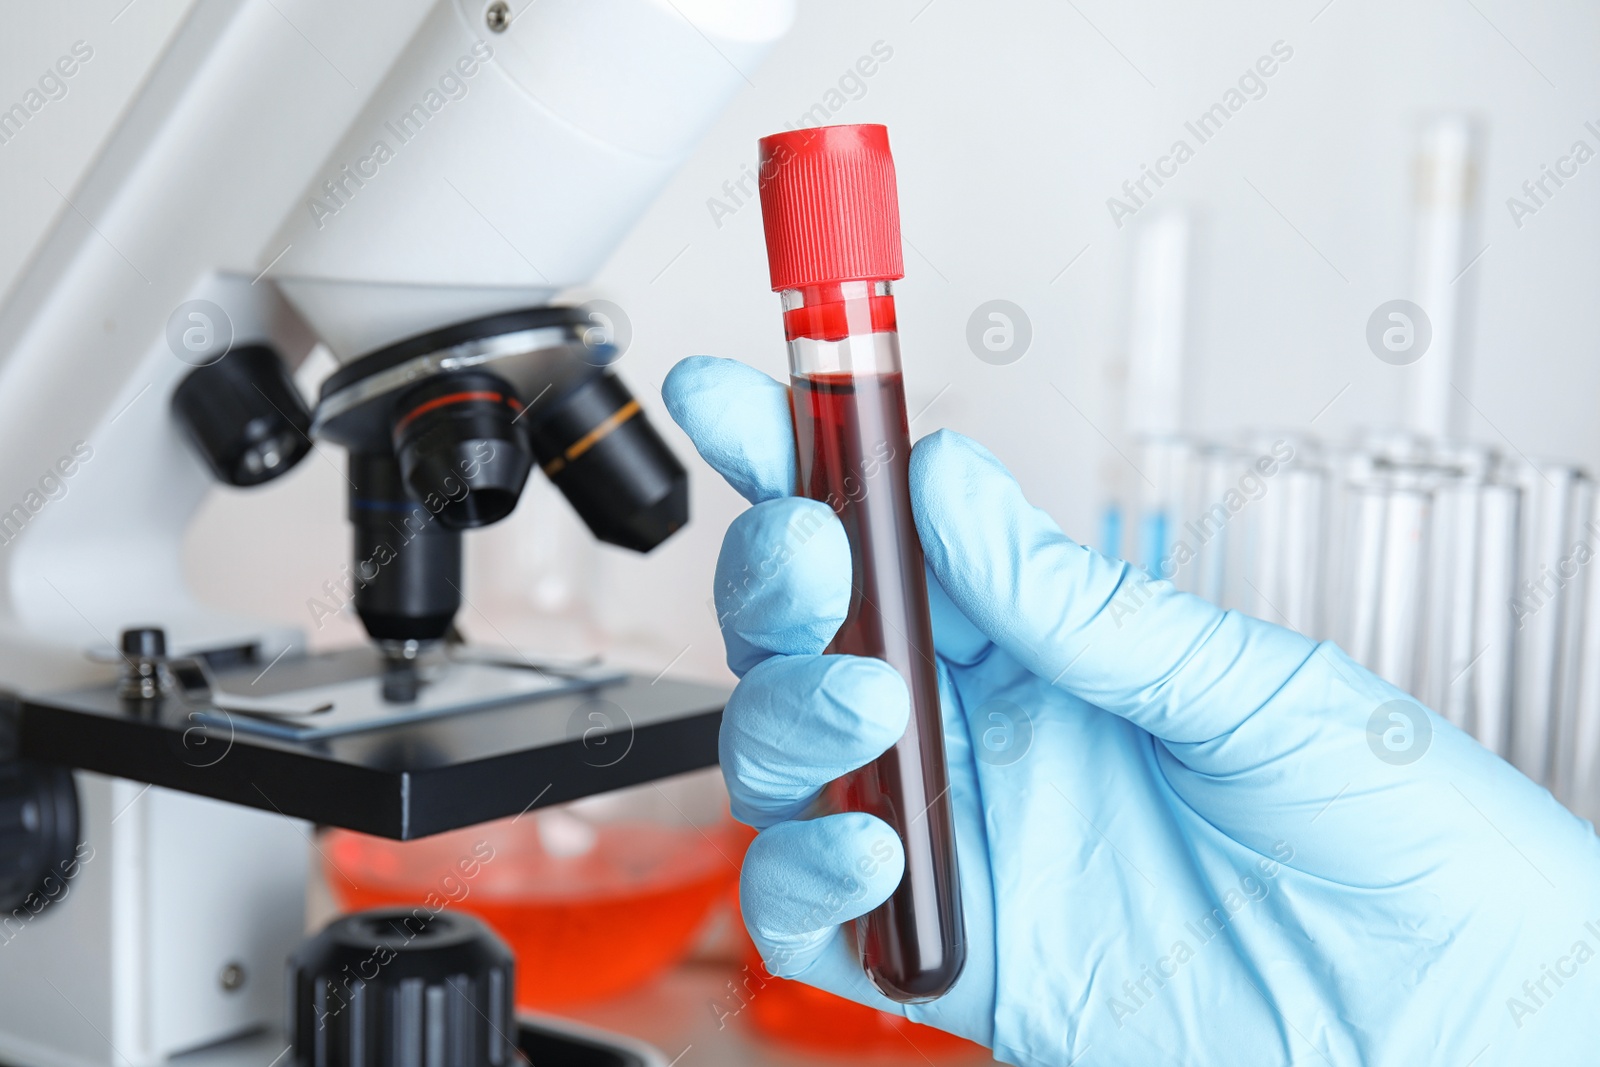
(328, 697)
(483, 742)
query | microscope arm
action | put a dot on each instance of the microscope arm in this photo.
(540, 146)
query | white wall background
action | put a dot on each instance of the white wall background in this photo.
(1012, 123)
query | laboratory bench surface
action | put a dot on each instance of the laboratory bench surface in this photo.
(674, 1014)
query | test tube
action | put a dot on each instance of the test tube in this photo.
(1452, 587)
(1208, 574)
(1543, 608)
(1491, 676)
(1447, 172)
(1303, 506)
(1584, 751)
(1404, 583)
(1153, 403)
(1362, 568)
(1349, 467)
(1571, 571)
(1164, 463)
(1281, 521)
(1386, 551)
(832, 221)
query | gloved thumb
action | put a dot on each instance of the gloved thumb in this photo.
(1102, 629)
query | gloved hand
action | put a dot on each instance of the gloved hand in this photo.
(1186, 836)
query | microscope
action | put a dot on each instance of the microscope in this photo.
(413, 186)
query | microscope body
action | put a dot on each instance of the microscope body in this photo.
(427, 165)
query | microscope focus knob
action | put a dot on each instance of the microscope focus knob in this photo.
(144, 642)
(39, 847)
(143, 650)
(401, 987)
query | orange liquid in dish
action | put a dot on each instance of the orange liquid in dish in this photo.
(583, 927)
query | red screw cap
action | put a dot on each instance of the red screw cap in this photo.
(829, 206)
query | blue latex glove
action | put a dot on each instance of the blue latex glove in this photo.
(1186, 836)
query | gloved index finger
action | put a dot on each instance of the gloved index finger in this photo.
(739, 421)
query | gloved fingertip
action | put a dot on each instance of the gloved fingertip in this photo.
(684, 382)
(796, 723)
(869, 698)
(949, 452)
(739, 421)
(782, 581)
(800, 878)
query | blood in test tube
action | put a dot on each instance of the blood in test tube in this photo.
(831, 215)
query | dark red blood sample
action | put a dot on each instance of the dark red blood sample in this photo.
(854, 449)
